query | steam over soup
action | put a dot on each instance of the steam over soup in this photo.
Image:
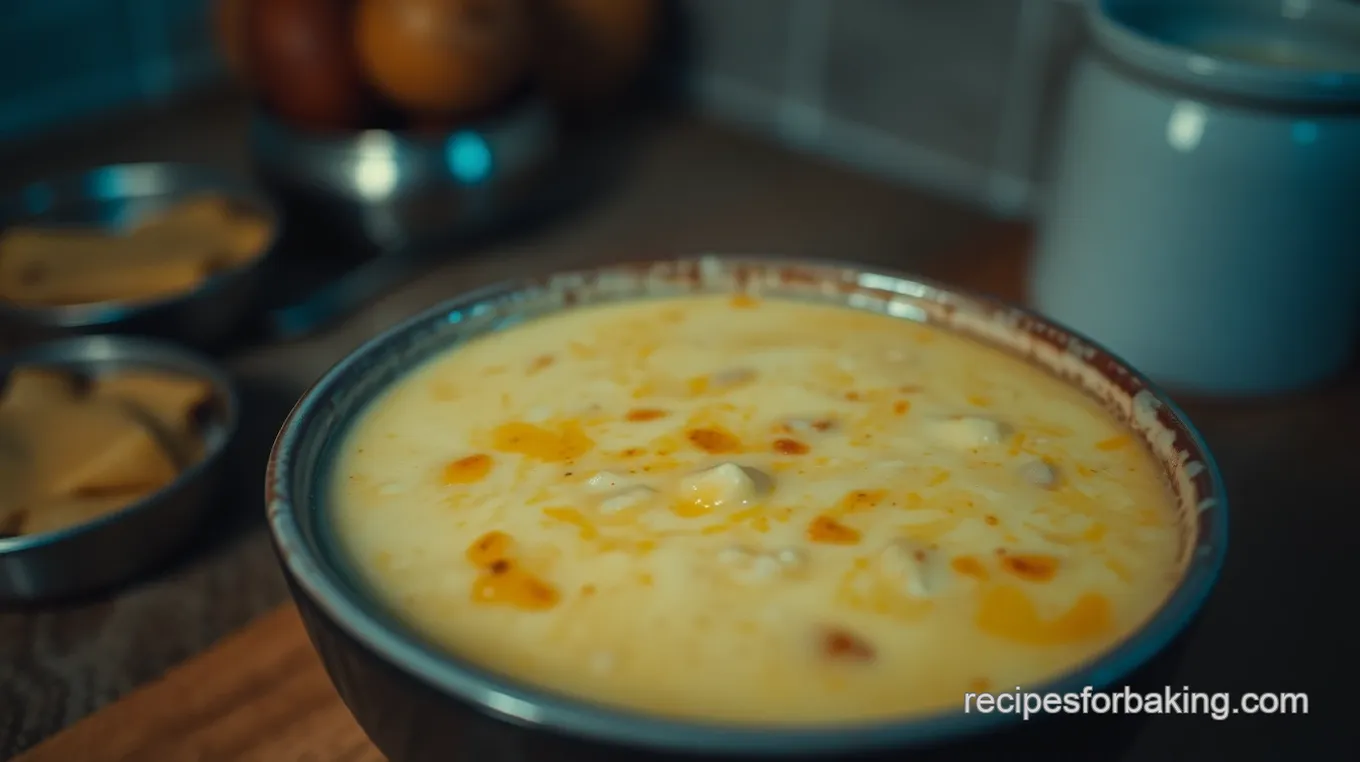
(754, 511)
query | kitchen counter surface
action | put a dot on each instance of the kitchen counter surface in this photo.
(693, 188)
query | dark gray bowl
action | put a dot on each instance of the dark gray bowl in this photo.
(117, 547)
(115, 196)
(420, 704)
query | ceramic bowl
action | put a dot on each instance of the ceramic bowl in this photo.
(418, 703)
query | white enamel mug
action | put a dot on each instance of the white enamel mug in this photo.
(1204, 218)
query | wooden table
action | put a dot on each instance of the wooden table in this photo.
(1273, 624)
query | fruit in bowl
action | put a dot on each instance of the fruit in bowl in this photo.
(444, 56)
(337, 65)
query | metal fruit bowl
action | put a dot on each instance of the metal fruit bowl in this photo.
(392, 190)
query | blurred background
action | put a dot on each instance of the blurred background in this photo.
(952, 97)
(413, 150)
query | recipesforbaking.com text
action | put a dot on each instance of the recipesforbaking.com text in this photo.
(1219, 706)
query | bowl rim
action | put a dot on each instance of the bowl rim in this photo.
(1178, 61)
(526, 705)
(112, 312)
(137, 346)
(525, 107)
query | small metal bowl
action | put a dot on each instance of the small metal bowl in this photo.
(114, 548)
(114, 197)
(390, 189)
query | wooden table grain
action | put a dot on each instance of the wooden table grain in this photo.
(258, 696)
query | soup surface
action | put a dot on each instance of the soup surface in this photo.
(754, 511)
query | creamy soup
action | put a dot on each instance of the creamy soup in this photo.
(754, 511)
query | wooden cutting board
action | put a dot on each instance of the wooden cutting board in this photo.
(259, 695)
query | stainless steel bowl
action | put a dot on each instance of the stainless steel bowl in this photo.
(116, 196)
(398, 189)
(114, 548)
(419, 703)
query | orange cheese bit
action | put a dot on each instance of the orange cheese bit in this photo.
(839, 644)
(922, 335)
(979, 400)
(969, 567)
(786, 446)
(1006, 612)
(940, 477)
(489, 548)
(617, 545)
(638, 415)
(584, 527)
(901, 407)
(1148, 517)
(443, 391)
(744, 302)
(1117, 442)
(827, 530)
(1120, 570)
(691, 509)
(861, 500)
(504, 582)
(713, 439)
(1033, 567)
(539, 363)
(567, 443)
(468, 470)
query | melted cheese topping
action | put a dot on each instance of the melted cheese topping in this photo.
(754, 511)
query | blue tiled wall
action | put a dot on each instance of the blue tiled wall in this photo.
(956, 96)
(62, 60)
